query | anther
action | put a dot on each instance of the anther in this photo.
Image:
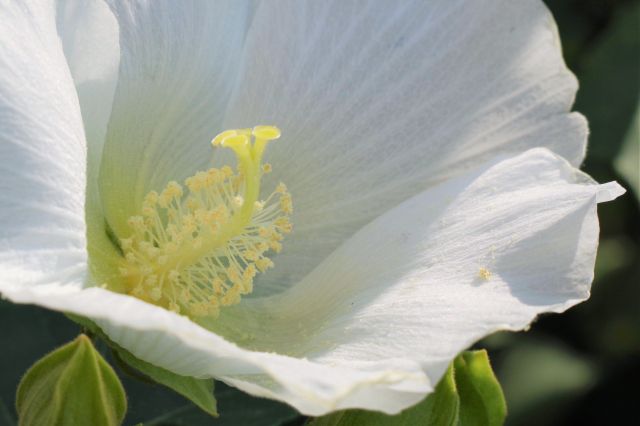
(193, 253)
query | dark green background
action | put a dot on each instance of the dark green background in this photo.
(579, 368)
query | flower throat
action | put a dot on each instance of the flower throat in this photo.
(197, 251)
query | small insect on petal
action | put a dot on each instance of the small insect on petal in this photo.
(484, 273)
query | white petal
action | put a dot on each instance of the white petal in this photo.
(379, 101)
(488, 251)
(178, 64)
(376, 324)
(42, 152)
(89, 34)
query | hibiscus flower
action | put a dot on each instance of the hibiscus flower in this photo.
(427, 148)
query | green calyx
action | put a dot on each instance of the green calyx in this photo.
(73, 385)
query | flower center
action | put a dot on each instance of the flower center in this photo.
(196, 252)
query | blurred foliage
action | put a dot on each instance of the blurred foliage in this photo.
(579, 368)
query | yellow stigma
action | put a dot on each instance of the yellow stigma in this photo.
(197, 251)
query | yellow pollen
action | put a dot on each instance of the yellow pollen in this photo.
(198, 247)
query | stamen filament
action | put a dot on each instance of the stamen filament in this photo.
(195, 253)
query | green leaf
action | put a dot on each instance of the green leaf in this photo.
(72, 385)
(482, 400)
(199, 391)
(467, 395)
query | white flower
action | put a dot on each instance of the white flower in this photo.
(422, 141)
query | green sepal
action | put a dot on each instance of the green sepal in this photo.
(73, 385)
(198, 391)
(468, 395)
(482, 400)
